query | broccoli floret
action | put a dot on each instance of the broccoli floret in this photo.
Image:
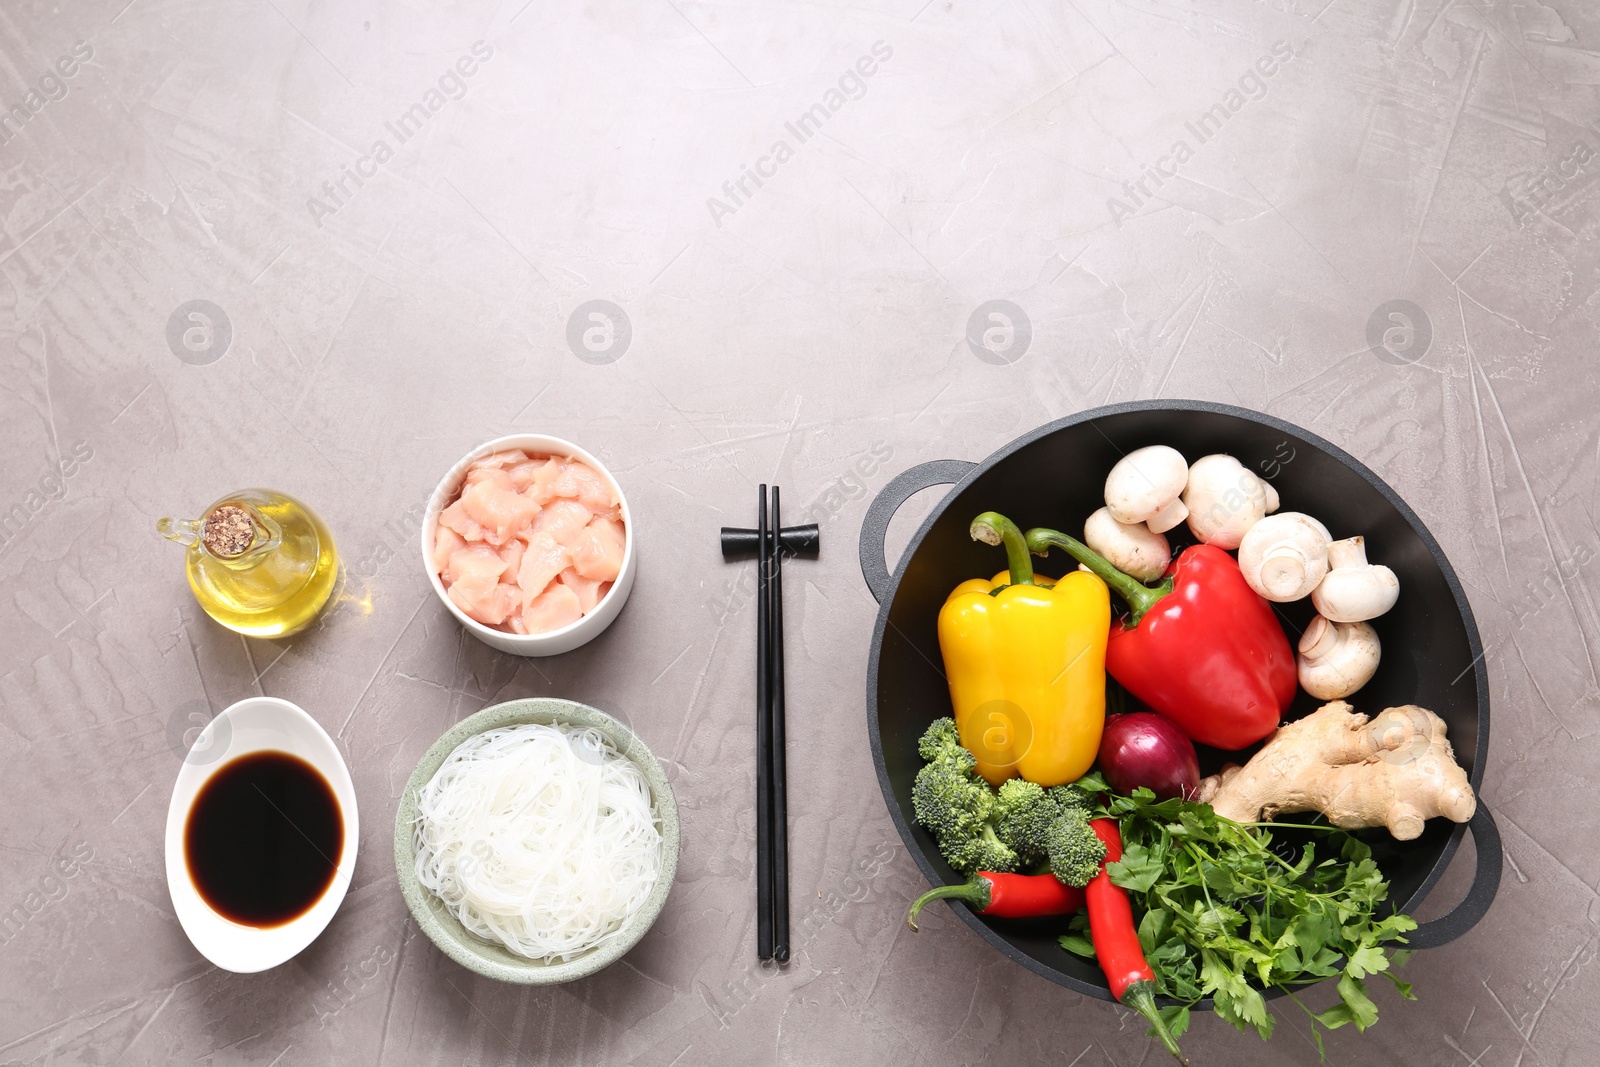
(950, 802)
(979, 829)
(940, 742)
(1044, 824)
(1070, 797)
(957, 806)
(1024, 813)
(984, 852)
(1074, 850)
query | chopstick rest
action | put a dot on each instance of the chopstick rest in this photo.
(739, 542)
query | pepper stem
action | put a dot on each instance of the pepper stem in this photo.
(1140, 597)
(993, 528)
(975, 894)
(1141, 997)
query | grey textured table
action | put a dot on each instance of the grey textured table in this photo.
(1371, 217)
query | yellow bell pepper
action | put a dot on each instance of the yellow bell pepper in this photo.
(1025, 658)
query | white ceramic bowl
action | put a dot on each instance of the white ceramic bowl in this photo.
(492, 959)
(568, 637)
(253, 725)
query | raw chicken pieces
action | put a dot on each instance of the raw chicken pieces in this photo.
(532, 543)
(490, 509)
(543, 560)
(597, 549)
(562, 520)
(551, 610)
(579, 482)
(588, 590)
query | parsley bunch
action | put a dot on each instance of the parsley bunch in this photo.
(1224, 915)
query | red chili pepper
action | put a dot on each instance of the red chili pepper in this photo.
(1201, 648)
(1006, 896)
(1116, 940)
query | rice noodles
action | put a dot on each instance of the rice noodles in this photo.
(541, 838)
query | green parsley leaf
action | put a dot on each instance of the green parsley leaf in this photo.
(1078, 945)
(1367, 960)
(1154, 928)
(1227, 911)
(1400, 984)
(1138, 869)
(1093, 782)
(1354, 995)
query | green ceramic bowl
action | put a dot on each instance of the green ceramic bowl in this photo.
(488, 958)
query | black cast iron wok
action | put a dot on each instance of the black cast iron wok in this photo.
(1055, 476)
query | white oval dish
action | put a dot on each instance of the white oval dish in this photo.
(574, 634)
(256, 724)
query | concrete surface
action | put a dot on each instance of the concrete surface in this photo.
(810, 329)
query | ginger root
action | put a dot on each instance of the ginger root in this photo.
(1397, 770)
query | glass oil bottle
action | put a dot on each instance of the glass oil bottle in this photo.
(259, 562)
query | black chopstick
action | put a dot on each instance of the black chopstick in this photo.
(763, 735)
(780, 800)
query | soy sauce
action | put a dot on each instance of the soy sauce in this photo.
(263, 839)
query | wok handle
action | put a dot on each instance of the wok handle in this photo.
(875, 527)
(1485, 883)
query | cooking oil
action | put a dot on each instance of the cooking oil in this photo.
(259, 562)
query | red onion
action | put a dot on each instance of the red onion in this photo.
(1144, 749)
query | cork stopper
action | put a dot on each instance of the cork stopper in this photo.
(228, 531)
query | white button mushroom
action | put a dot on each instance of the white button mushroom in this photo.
(1354, 590)
(1131, 547)
(1337, 658)
(1225, 500)
(1285, 556)
(1146, 486)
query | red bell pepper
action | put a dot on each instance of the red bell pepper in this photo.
(1201, 647)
